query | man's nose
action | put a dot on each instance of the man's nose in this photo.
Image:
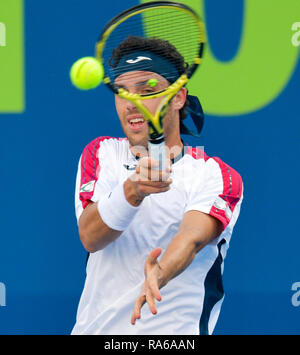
(130, 106)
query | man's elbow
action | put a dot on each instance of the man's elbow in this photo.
(93, 242)
(87, 241)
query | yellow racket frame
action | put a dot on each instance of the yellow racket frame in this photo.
(155, 121)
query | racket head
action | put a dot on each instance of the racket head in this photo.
(174, 24)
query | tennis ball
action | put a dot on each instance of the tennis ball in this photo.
(152, 82)
(86, 73)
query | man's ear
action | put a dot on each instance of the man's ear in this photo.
(179, 99)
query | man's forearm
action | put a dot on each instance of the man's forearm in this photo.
(196, 230)
(177, 257)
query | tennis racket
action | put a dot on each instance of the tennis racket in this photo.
(173, 22)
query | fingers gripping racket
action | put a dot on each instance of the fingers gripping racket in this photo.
(167, 21)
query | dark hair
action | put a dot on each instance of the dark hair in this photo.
(155, 45)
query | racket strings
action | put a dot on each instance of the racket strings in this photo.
(187, 47)
(176, 27)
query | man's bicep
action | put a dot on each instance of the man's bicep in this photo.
(200, 227)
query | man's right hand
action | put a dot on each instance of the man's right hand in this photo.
(146, 180)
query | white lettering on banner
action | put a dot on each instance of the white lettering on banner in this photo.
(296, 296)
(2, 35)
(296, 36)
(2, 295)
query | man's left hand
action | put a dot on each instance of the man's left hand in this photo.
(150, 289)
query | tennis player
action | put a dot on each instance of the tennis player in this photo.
(156, 239)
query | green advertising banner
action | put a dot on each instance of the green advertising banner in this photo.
(11, 57)
(263, 65)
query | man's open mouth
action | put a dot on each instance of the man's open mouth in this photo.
(136, 122)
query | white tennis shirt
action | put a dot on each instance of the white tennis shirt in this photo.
(191, 301)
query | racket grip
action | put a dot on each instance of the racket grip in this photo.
(157, 151)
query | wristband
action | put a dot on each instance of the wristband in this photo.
(115, 211)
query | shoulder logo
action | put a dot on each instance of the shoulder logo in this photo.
(220, 204)
(138, 59)
(88, 187)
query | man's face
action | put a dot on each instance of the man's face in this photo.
(132, 120)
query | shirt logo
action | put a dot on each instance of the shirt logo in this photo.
(138, 59)
(130, 167)
(88, 187)
(220, 204)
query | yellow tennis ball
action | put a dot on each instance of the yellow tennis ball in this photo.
(86, 73)
(152, 82)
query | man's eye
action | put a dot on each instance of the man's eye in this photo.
(147, 91)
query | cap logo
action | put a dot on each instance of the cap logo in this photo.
(138, 59)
